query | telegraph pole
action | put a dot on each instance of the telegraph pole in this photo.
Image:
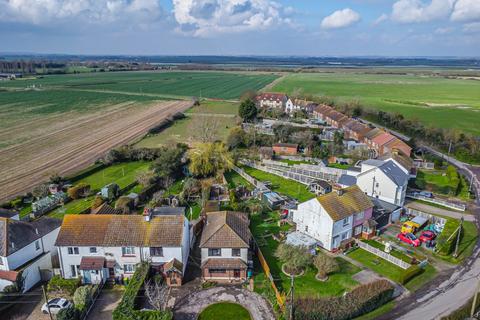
(291, 295)
(458, 238)
(46, 301)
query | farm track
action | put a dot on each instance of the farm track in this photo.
(76, 146)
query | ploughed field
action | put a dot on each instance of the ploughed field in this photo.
(68, 142)
(435, 101)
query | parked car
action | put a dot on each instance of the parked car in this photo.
(427, 236)
(409, 238)
(55, 305)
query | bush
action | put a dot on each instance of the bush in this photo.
(82, 298)
(445, 241)
(67, 286)
(126, 308)
(67, 314)
(410, 273)
(363, 299)
(79, 191)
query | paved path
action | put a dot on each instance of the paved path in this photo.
(435, 210)
(190, 306)
(105, 304)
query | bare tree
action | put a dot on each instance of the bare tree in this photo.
(157, 294)
(206, 128)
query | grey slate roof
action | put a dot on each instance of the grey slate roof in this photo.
(5, 213)
(168, 210)
(347, 180)
(15, 234)
(395, 173)
(373, 162)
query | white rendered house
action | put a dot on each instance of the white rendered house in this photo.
(101, 247)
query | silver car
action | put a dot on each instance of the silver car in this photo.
(55, 305)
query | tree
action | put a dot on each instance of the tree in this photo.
(294, 258)
(145, 178)
(325, 265)
(169, 162)
(157, 293)
(338, 142)
(40, 191)
(205, 128)
(79, 191)
(55, 178)
(236, 138)
(97, 202)
(82, 297)
(191, 187)
(282, 132)
(209, 159)
(247, 110)
(113, 156)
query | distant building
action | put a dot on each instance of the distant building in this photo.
(271, 100)
(225, 245)
(288, 149)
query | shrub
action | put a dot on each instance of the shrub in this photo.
(67, 286)
(79, 191)
(325, 265)
(361, 300)
(82, 298)
(410, 273)
(295, 258)
(97, 202)
(67, 314)
(126, 308)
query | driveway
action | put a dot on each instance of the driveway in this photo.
(435, 210)
(107, 301)
(191, 305)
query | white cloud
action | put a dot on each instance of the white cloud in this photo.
(208, 17)
(473, 27)
(340, 19)
(382, 18)
(412, 11)
(442, 31)
(41, 12)
(466, 10)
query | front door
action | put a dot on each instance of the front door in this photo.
(86, 276)
(111, 272)
(236, 273)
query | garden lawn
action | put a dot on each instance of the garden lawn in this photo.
(292, 162)
(122, 174)
(72, 207)
(235, 180)
(287, 187)
(306, 285)
(224, 310)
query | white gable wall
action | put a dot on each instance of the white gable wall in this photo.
(376, 183)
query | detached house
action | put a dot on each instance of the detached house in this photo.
(334, 217)
(271, 100)
(102, 247)
(26, 249)
(225, 245)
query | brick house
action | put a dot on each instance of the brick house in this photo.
(288, 149)
(225, 245)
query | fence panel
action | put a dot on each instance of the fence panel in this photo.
(386, 256)
(281, 297)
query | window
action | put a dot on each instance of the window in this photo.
(345, 221)
(358, 230)
(128, 251)
(73, 250)
(360, 215)
(1, 261)
(214, 252)
(217, 270)
(306, 228)
(235, 252)
(37, 245)
(93, 249)
(156, 251)
(73, 271)
(129, 268)
(344, 235)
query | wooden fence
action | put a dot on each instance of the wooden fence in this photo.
(281, 297)
(386, 256)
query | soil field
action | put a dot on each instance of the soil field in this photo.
(436, 101)
(68, 142)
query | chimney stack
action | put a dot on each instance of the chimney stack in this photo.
(147, 213)
(338, 190)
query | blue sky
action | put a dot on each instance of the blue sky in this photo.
(242, 27)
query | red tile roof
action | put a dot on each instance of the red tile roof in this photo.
(92, 263)
(382, 139)
(8, 275)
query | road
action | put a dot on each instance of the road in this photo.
(449, 291)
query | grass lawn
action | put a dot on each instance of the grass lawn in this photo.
(391, 271)
(186, 130)
(467, 240)
(292, 162)
(26, 210)
(234, 180)
(224, 310)
(215, 107)
(122, 174)
(305, 285)
(285, 186)
(72, 207)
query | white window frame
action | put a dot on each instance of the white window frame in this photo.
(94, 250)
(128, 251)
(129, 268)
(73, 250)
(346, 221)
(360, 215)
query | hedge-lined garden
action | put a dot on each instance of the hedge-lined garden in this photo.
(361, 300)
(126, 309)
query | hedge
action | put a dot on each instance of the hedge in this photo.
(410, 273)
(363, 299)
(68, 286)
(444, 246)
(126, 308)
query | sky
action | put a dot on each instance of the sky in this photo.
(242, 27)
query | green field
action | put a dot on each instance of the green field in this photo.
(221, 114)
(436, 101)
(224, 310)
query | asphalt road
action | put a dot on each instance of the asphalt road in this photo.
(448, 291)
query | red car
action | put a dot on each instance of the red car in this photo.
(427, 236)
(409, 238)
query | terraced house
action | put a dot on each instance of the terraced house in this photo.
(102, 247)
(334, 218)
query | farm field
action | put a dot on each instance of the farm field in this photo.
(67, 143)
(221, 114)
(436, 101)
